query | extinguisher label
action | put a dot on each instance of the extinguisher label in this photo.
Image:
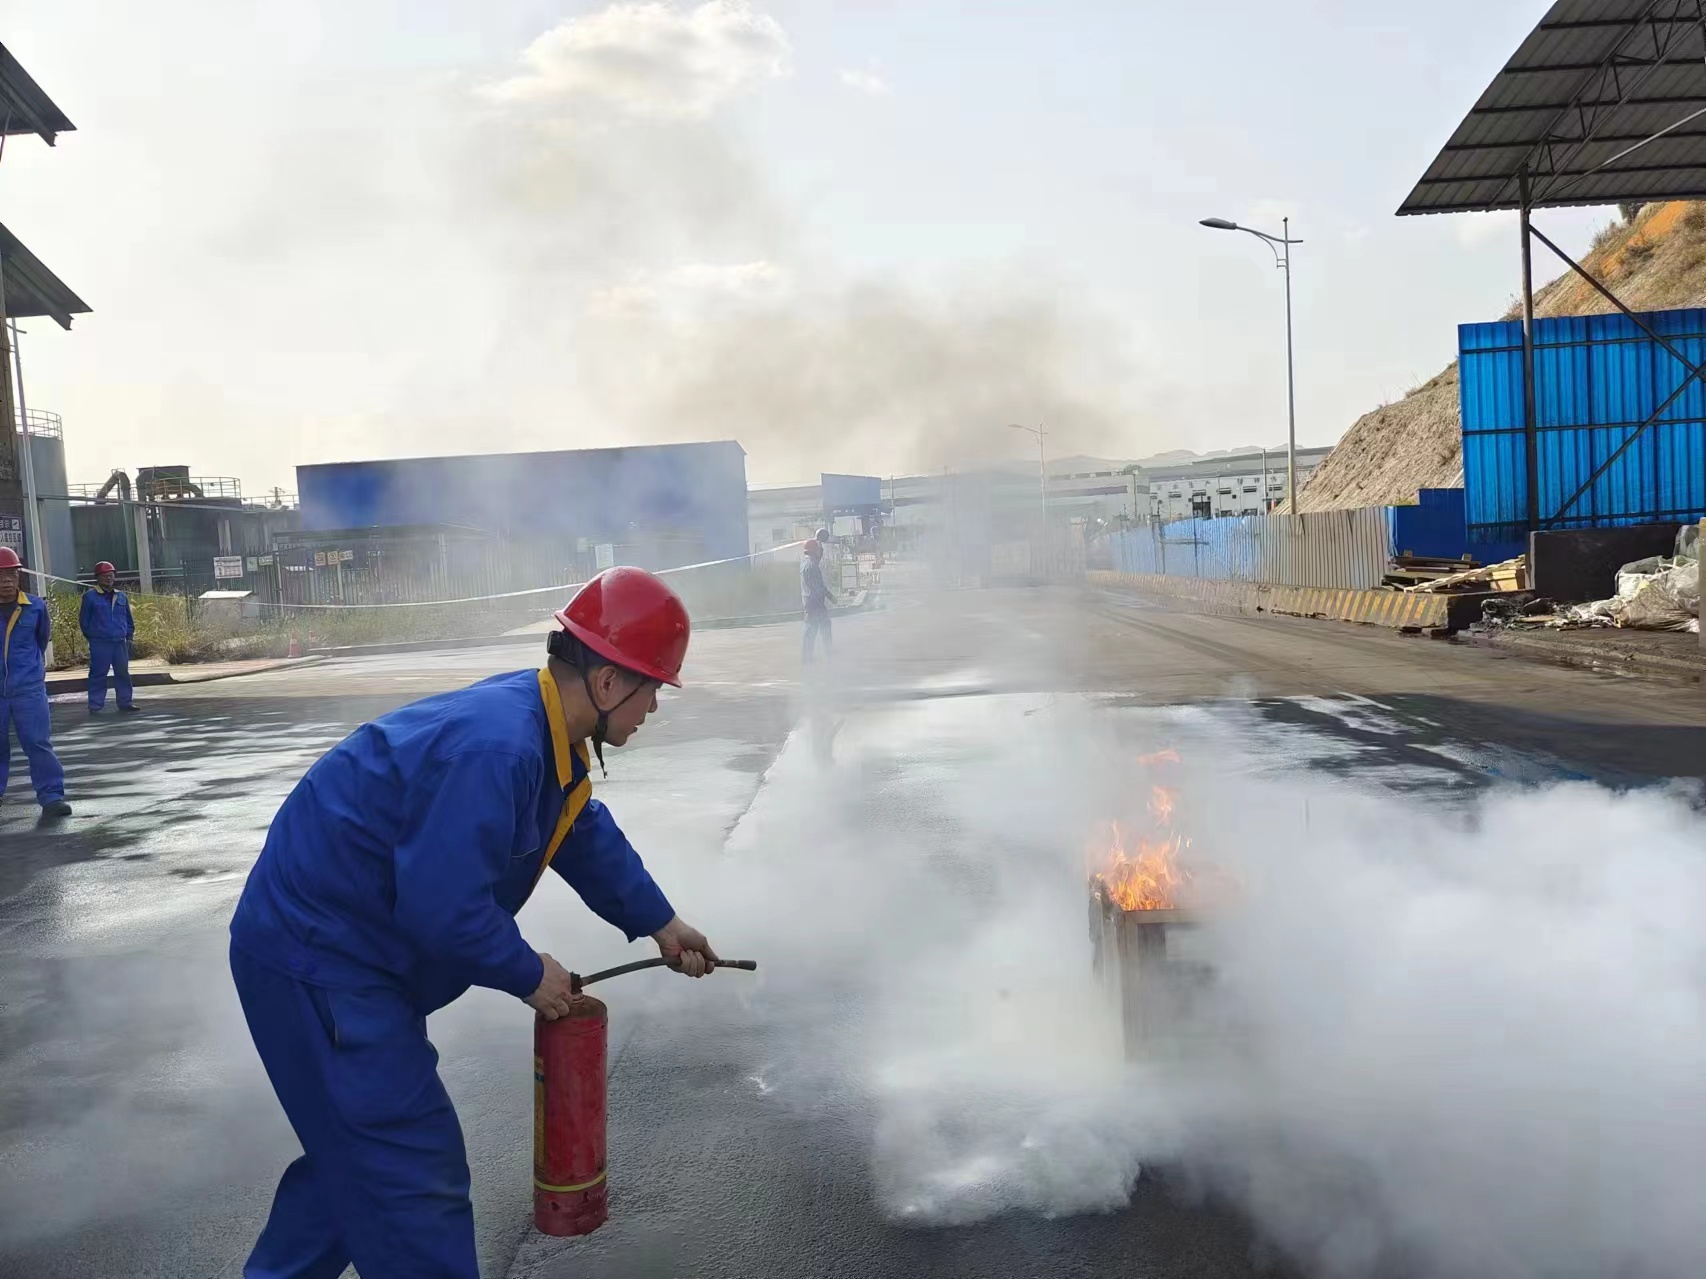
(538, 1117)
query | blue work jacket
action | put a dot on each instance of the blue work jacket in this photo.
(23, 651)
(403, 855)
(106, 617)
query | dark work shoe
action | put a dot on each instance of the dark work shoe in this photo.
(56, 808)
(129, 710)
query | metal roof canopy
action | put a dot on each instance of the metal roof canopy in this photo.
(31, 289)
(24, 108)
(1604, 102)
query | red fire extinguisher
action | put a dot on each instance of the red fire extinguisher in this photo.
(570, 1186)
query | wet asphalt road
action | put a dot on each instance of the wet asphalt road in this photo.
(137, 1134)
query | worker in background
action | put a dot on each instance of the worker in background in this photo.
(27, 631)
(816, 598)
(389, 884)
(108, 626)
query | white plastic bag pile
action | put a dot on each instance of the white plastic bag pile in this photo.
(1660, 594)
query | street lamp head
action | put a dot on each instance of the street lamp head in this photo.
(1219, 224)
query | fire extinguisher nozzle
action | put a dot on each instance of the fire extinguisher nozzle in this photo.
(577, 982)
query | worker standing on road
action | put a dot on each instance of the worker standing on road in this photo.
(815, 596)
(27, 631)
(108, 626)
(389, 884)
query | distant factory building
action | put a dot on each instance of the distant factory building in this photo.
(851, 506)
(440, 527)
(1249, 483)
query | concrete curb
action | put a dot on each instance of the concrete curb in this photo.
(64, 683)
(1594, 656)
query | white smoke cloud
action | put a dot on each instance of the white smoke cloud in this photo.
(866, 82)
(1441, 1039)
(650, 60)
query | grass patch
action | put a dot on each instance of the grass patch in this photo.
(1603, 237)
(1637, 254)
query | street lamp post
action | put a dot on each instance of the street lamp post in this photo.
(1281, 247)
(1042, 464)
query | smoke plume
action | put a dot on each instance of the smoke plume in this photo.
(1446, 1040)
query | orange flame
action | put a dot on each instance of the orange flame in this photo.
(1145, 876)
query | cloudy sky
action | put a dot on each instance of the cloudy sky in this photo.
(856, 236)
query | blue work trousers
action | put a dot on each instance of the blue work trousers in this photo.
(383, 1181)
(28, 714)
(104, 656)
(817, 624)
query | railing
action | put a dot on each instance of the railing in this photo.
(42, 423)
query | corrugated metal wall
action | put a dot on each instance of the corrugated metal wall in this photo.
(1346, 549)
(1596, 378)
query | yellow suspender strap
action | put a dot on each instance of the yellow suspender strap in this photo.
(561, 749)
(12, 625)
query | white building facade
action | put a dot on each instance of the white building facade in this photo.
(1238, 484)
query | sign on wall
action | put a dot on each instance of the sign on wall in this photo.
(226, 567)
(12, 533)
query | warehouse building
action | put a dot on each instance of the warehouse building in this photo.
(446, 527)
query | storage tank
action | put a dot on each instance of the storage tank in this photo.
(47, 458)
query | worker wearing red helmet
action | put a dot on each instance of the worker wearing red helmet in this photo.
(25, 632)
(107, 624)
(389, 884)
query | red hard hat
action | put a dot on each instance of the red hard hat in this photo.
(104, 567)
(9, 558)
(813, 546)
(629, 617)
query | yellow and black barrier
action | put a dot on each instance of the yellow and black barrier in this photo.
(1399, 610)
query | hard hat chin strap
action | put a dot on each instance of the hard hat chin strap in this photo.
(601, 729)
(567, 648)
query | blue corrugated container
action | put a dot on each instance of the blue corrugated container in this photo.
(1434, 527)
(1597, 378)
(692, 494)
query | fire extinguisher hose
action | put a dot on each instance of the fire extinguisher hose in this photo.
(576, 981)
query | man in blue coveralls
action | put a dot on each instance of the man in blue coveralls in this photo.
(25, 632)
(389, 884)
(108, 626)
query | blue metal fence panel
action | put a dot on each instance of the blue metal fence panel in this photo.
(1596, 378)
(691, 492)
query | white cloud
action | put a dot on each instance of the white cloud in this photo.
(650, 59)
(692, 284)
(867, 82)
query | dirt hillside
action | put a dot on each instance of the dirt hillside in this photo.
(1654, 262)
